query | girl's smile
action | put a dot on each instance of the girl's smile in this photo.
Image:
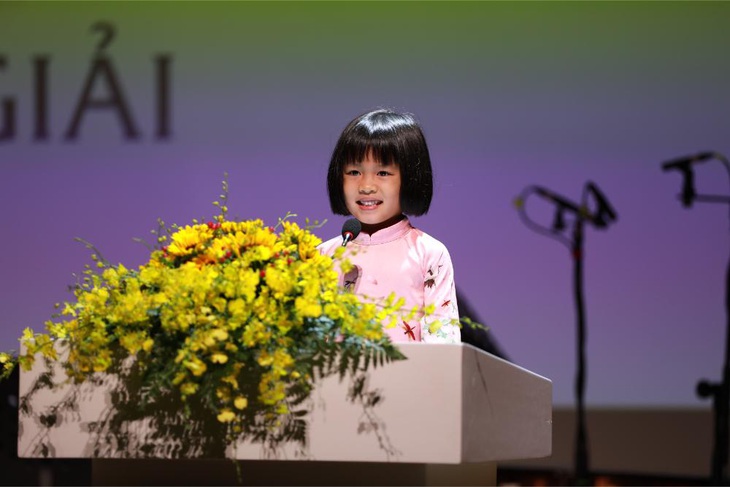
(372, 190)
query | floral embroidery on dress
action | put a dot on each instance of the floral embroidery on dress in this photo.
(430, 281)
(351, 277)
(409, 330)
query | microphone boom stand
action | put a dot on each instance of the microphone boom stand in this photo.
(581, 441)
(719, 392)
(603, 215)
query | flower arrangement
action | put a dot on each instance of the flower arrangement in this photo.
(234, 320)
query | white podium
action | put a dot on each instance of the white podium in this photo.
(446, 416)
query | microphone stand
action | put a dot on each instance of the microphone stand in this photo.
(600, 219)
(719, 392)
(582, 476)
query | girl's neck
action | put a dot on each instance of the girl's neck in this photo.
(372, 228)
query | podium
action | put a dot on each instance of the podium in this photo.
(446, 415)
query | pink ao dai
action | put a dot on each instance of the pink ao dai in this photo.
(402, 259)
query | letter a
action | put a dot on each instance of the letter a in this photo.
(103, 69)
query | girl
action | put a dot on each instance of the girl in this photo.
(380, 172)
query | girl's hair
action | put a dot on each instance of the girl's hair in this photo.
(391, 138)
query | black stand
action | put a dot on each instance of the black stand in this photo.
(600, 217)
(582, 476)
(719, 392)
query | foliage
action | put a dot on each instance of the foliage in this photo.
(231, 320)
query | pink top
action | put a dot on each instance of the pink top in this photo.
(413, 265)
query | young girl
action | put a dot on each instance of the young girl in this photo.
(380, 172)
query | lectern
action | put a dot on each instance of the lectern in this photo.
(447, 414)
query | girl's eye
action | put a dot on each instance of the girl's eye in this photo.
(383, 173)
(352, 172)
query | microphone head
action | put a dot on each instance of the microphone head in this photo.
(350, 230)
(683, 163)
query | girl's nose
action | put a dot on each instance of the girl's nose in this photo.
(367, 186)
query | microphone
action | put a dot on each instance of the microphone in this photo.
(684, 162)
(350, 230)
(684, 165)
(605, 213)
(559, 200)
(562, 205)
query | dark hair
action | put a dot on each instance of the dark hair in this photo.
(390, 138)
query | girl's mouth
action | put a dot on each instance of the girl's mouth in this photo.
(369, 203)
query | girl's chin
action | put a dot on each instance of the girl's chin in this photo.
(368, 218)
(370, 222)
(378, 220)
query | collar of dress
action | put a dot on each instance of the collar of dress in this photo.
(385, 235)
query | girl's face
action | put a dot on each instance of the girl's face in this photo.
(372, 190)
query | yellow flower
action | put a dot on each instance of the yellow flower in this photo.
(57, 330)
(219, 334)
(308, 307)
(188, 239)
(195, 365)
(231, 381)
(223, 393)
(240, 402)
(219, 358)
(226, 416)
(279, 281)
(179, 377)
(189, 388)
(27, 334)
(223, 302)
(434, 326)
(265, 359)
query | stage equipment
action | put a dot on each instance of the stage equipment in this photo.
(568, 228)
(718, 391)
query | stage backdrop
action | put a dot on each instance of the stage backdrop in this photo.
(115, 114)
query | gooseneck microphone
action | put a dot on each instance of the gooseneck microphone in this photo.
(684, 165)
(604, 213)
(558, 200)
(350, 230)
(682, 162)
(561, 203)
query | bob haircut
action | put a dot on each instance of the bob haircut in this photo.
(390, 138)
